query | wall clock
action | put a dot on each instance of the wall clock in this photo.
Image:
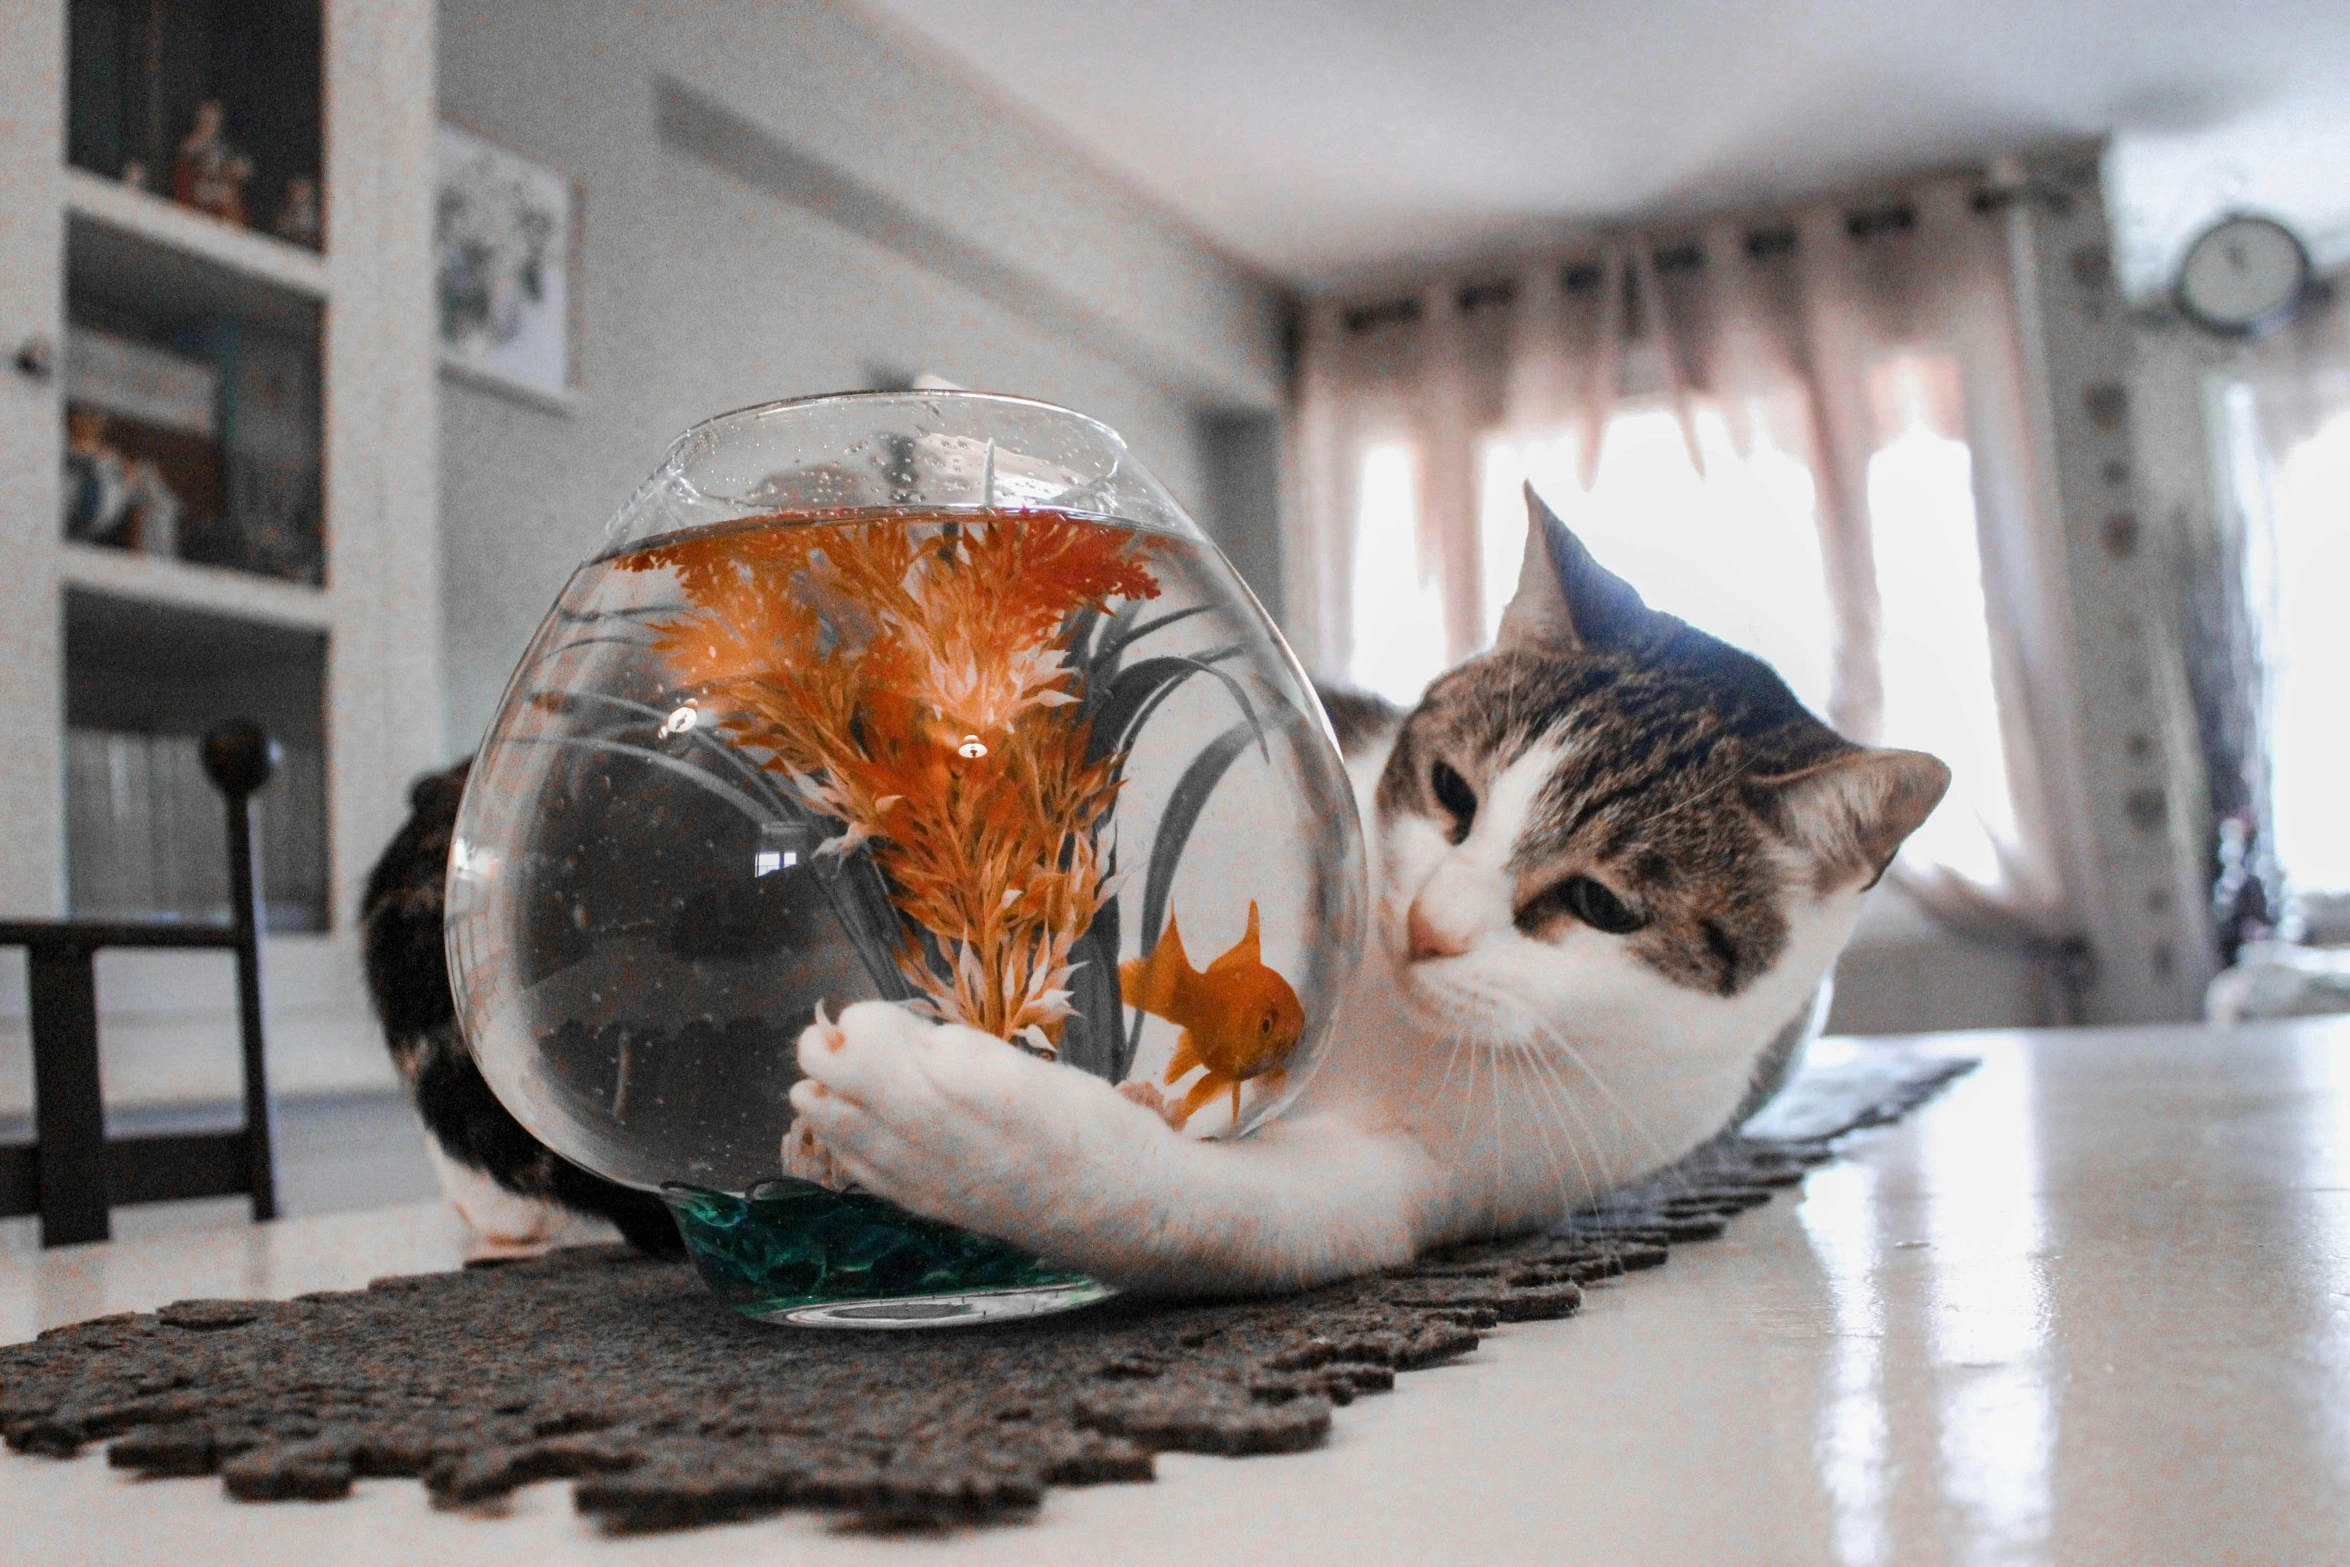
(2243, 276)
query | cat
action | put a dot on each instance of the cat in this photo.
(1611, 860)
(509, 1186)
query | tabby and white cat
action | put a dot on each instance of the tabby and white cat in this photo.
(1611, 860)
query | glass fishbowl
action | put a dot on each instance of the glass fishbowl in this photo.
(933, 698)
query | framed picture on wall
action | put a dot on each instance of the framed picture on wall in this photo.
(505, 235)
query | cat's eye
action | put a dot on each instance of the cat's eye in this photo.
(1454, 794)
(1587, 900)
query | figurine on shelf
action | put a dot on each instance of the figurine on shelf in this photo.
(96, 483)
(134, 174)
(111, 498)
(209, 173)
(298, 217)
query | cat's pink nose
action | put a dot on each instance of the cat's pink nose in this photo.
(1429, 939)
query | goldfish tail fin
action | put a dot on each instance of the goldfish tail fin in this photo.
(1152, 983)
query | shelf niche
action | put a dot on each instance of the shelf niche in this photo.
(138, 72)
(193, 409)
(145, 835)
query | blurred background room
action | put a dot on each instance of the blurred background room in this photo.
(1985, 367)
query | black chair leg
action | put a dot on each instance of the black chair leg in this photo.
(69, 1116)
(239, 756)
(71, 1163)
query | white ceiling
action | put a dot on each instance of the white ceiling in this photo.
(1325, 140)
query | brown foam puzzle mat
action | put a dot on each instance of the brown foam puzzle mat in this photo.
(666, 1410)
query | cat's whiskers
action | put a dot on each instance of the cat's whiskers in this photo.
(1662, 1154)
(1451, 1060)
(1500, 1142)
(1543, 1084)
(1563, 1099)
(1676, 1176)
(1571, 1104)
(1496, 1027)
(1460, 1133)
(1436, 1003)
(1452, 1056)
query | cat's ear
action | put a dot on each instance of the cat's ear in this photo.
(1565, 599)
(1851, 813)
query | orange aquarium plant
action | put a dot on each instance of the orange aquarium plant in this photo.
(948, 690)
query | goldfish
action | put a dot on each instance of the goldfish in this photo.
(1239, 1018)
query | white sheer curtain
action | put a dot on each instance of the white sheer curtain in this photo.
(2289, 445)
(1811, 436)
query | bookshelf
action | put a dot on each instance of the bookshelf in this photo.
(218, 458)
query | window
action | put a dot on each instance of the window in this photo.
(1398, 603)
(1733, 546)
(1734, 551)
(2307, 649)
(1935, 646)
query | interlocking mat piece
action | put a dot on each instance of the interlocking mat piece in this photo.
(668, 1410)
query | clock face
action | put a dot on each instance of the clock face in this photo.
(2243, 275)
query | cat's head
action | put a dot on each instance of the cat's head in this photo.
(1615, 834)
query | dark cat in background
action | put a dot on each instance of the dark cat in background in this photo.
(408, 979)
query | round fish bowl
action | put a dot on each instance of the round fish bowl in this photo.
(931, 698)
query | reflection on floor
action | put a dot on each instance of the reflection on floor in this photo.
(334, 1152)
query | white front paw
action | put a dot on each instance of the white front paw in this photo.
(948, 1121)
(809, 1160)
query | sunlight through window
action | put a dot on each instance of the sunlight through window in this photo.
(1733, 551)
(1852, 1437)
(1733, 547)
(1936, 640)
(1398, 610)
(2308, 655)
(1987, 1273)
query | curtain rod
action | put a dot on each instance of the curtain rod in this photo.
(1761, 244)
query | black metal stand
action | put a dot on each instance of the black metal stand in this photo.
(73, 1174)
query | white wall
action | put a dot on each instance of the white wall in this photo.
(1905, 974)
(946, 238)
(2283, 158)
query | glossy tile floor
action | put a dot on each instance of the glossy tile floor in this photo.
(2092, 1306)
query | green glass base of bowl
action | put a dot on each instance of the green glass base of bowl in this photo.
(795, 1252)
